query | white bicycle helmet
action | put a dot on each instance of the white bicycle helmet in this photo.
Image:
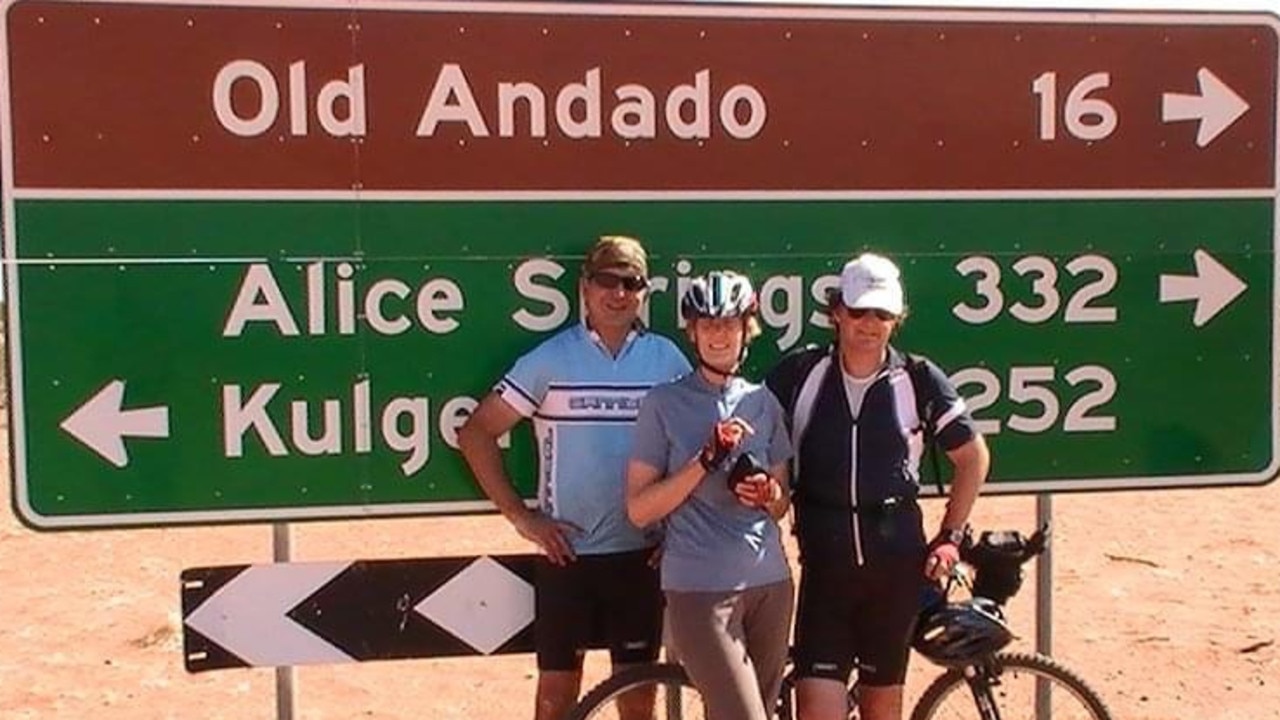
(719, 294)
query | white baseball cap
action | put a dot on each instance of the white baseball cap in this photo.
(871, 281)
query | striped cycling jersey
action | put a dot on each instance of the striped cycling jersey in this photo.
(583, 402)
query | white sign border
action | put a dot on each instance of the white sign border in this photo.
(8, 195)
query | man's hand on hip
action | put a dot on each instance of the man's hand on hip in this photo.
(550, 535)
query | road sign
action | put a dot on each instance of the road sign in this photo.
(286, 614)
(266, 258)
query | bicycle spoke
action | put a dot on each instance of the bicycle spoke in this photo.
(668, 700)
(1011, 694)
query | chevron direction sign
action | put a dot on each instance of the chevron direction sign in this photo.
(263, 257)
(356, 611)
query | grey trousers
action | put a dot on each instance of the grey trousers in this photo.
(733, 645)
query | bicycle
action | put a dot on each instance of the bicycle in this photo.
(966, 638)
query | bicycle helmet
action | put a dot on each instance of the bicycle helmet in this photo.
(959, 633)
(720, 294)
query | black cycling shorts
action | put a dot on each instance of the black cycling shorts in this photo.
(848, 614)
(612, 601)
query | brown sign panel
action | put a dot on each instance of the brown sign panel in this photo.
(466, 96)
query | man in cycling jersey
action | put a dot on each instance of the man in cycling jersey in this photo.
(862, 415)
(582, 389)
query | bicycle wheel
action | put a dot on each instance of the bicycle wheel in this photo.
(1005, 688)
(664, 685)
(784, 708)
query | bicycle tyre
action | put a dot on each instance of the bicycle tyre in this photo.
(1085, 705)
(598, 703)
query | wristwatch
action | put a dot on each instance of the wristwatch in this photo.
(954, 536)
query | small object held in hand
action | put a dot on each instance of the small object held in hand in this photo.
(725, 436)
(746, 466)
(751, 482)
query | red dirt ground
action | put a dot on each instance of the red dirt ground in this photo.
(1167, 601)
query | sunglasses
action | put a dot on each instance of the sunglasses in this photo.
(630, 283)
(881, 315)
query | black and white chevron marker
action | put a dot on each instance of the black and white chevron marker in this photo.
(355, 611)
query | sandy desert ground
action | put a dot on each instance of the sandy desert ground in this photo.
(1167, 601)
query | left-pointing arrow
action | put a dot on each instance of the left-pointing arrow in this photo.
(248, 616)
(102, 424)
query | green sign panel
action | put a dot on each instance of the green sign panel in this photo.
(279, 297)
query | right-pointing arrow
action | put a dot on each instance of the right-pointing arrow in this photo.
(102, 424)
(1216, 107)
(1213, 287)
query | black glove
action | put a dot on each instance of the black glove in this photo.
(725, 436)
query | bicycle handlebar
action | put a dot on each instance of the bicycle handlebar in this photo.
(1003, 546)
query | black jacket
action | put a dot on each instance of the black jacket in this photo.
(856, 480)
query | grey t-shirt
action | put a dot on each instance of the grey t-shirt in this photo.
(712, 541)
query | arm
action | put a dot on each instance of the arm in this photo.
(781, 474)
(651, 497)
(478, 442)
(971, 462)
(770, 490)
(957, 434)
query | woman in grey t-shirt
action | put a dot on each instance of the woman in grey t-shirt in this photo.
(709, 460)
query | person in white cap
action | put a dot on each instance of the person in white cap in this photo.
(862, 415)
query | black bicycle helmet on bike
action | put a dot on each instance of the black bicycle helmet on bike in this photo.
(960, 633)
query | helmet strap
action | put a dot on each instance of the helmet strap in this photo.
(722, 372)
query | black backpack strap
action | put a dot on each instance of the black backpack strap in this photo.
(918, 371)
(796, 382)
(806, 394)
